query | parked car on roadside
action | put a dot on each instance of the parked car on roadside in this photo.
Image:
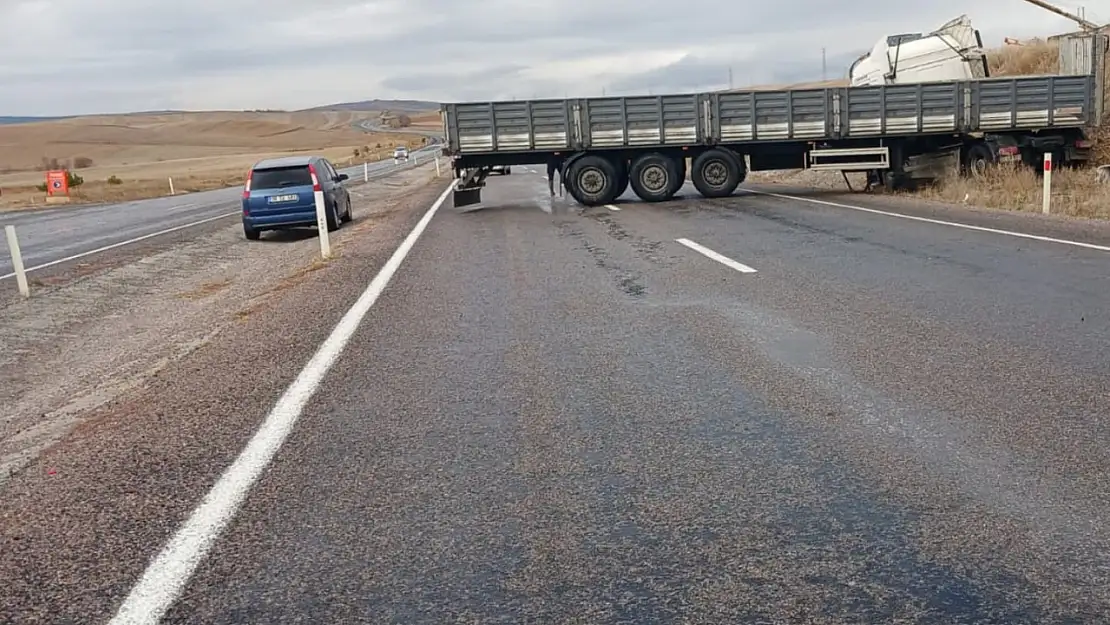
(280, 193)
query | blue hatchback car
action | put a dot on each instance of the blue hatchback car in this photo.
(279, 194)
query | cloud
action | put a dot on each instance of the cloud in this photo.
(75, 56)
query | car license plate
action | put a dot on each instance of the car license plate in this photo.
(274, 199)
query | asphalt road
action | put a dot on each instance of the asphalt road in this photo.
(749, 410)
(56, 234)
(562, 417)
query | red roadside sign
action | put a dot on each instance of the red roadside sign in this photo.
(57, 182)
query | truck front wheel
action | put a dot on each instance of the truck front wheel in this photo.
(655, 177)
(592, 180)
(716, 173)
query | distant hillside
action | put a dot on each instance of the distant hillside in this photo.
(26, 120)
(412, 106)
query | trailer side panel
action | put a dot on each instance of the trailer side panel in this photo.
(889, 111)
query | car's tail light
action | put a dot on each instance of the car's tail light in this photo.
(247, 186)
(1082, 143)
(315, 181)
(1010, 150)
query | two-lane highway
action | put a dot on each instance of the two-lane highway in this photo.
(51, 236)
(748, 410)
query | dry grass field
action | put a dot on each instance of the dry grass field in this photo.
(199, 151)
(1075, 193)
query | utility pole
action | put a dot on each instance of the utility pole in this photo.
(730, 78)
(824, 66)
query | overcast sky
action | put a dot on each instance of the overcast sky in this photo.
(81, 56)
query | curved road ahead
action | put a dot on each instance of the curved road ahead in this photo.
(52, 236)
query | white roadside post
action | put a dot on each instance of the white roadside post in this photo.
(171, 187)
(437, 166)
(321, 215)
(366, 172)
(17, 262)
(1046, 193)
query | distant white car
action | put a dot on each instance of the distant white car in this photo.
(401, 154)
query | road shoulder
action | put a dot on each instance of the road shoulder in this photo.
(94, 331)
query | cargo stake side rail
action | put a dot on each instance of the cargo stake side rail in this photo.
(894, 133)
(829, 114)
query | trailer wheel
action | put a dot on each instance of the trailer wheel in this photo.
(592, 180)
(979, 158)
(655, 177)
(717, 173)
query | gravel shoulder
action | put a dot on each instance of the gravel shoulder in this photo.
(97, 329)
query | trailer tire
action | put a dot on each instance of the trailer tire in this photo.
(979, 158)
(717, 173)
(592, 180)
(655, 177)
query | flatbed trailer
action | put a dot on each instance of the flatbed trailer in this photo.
(895, 133)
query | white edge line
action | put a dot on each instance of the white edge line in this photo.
(724, 260)
(166, 576)
(611, 207)
(121, 244)
(1022, 235)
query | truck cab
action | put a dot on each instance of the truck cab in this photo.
(952, 52)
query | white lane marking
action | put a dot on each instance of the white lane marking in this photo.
(166, 577)
(1011, 233)
(611, 207)
(724, 260)
(121, 244)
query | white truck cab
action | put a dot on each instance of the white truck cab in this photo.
(952, 52)
(400, 153)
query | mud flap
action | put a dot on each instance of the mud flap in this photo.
(467, 197)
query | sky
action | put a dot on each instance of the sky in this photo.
(69, 57)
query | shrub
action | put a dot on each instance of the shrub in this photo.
(114, 180)
(82, 162)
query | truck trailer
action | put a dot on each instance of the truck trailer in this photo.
(896, 133)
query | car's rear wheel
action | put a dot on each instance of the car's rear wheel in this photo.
(251, 233)
(347, 216)
(333, 219)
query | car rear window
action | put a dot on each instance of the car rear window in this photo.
(281, 177)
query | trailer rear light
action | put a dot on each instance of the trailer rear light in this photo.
(315, 181)
(1010, 150)
(247, 186)
(1082, 143)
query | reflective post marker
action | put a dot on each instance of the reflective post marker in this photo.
(1046, 193)
(322, 224)
(17, 262)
